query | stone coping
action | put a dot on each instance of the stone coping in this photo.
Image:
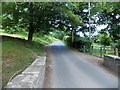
(31, 77)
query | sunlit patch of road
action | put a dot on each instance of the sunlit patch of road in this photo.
(57, 43)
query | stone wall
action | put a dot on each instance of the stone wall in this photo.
(32, 77)
(112, 62)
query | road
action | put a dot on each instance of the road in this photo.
(70, 70)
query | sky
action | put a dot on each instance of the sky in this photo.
(96, 32)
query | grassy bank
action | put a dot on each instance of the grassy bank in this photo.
(18, 54)
(37, 37)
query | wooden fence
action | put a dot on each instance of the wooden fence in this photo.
(101, 50)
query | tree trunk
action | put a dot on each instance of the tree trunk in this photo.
(30, 35)
(31, 27)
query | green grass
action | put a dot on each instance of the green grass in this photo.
(36, 47)
(98, 51)
(18, 54)
(43, 39)
(22, 35)
(16, 57)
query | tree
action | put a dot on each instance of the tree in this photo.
(31, 27)
(108, 13)
(104, 39)
(35, 16)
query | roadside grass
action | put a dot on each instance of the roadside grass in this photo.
(35, 47)
(16, 57)
(18, 54)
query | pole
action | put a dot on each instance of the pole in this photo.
(89, 27)
(89, 22)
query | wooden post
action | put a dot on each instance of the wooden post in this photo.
(84, 49)
(101, 51)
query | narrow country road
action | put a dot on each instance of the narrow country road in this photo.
(71, 71)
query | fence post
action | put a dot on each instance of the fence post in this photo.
(104, 50)
(84, 49)
(101, 51)
(91, 49)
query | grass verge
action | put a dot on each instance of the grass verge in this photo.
(16, 56)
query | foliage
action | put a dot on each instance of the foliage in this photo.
(79, 42)
(30, 15)
(38, 37)
(65, 17)
(59, 34)
(12, 61)
(83, 12)
(104, 39)
(110, 15)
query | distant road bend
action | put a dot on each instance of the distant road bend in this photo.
(71, 71)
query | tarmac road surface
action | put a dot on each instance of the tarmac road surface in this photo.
(71, 71)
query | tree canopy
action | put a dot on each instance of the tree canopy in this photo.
(67, 17)
(37, 16)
